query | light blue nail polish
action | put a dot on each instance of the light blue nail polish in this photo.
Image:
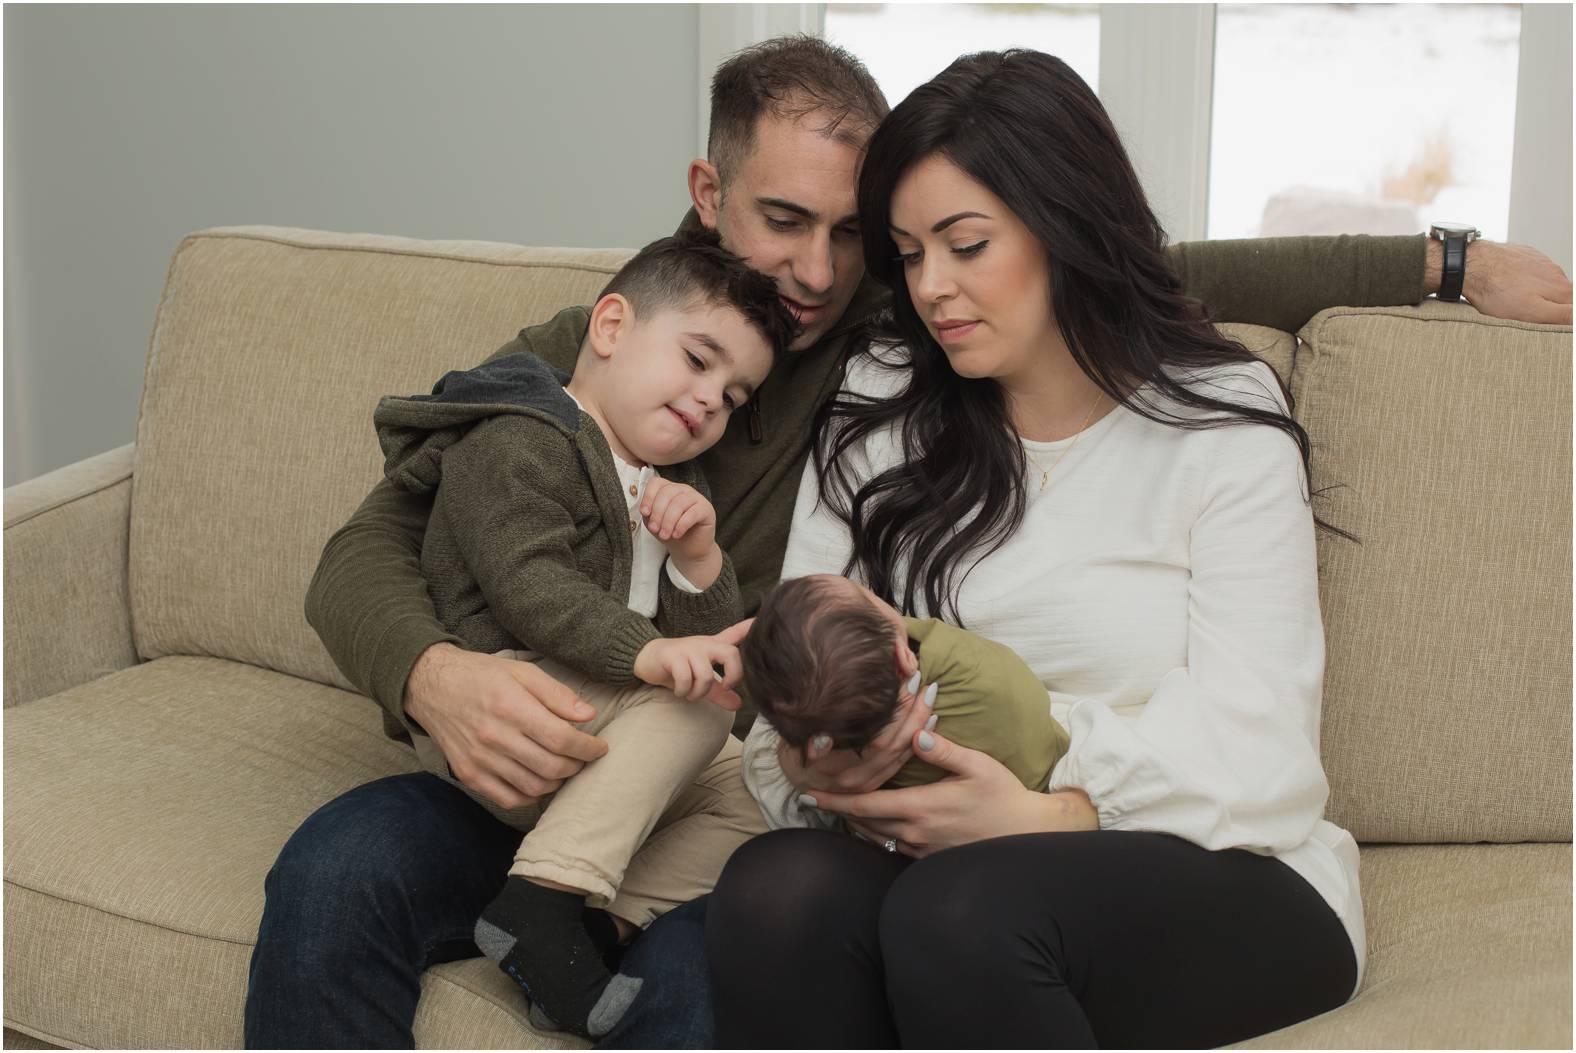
(926, 741)
(808, 801)
(930, 725)
(913, 683)
(930, 695)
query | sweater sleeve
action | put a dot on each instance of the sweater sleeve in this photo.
(1225, 752)
(507, 472)
(1283, 282)
(697, 612)
(368, 600)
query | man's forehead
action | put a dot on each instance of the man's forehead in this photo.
(795, 160)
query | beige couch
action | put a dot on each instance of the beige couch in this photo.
(170, 718)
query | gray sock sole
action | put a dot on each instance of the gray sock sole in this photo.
(615, 1000)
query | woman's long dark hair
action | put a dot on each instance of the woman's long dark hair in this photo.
(1025, 126)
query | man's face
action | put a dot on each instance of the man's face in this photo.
(789, 211)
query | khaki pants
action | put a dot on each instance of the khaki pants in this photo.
(649, 825)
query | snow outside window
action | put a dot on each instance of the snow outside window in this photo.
(1362, 118)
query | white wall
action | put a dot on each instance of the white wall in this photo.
(127, 127)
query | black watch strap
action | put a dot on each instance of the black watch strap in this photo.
(1455, 268)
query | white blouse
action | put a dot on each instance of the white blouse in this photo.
(1164, 587)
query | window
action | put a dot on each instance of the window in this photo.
(1362, 118)
(904, 45)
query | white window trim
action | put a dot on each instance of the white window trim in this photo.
(1157, 71)
(1540, 167)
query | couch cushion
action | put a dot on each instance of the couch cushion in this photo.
(255, 440)
(1446, 439)
(1469, 946)
(141, 812)
(1272, 345)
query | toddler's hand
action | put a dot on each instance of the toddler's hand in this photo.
(684, 665)
(680, 518)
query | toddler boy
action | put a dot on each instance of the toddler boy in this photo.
(826, 660)
(571, 528)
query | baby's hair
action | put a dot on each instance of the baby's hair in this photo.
(821, 659)
(690, 267)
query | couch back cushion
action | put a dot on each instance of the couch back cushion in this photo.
(255, 439)
(1445, 440)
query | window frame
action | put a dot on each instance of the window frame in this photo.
(1157, 66)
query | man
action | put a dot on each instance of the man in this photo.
(389, 878)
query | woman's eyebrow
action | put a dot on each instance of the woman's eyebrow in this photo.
(940, 225)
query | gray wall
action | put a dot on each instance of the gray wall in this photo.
(127, 127)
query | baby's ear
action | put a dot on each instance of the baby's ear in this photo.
(907, 660)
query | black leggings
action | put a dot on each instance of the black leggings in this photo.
(1130, 940)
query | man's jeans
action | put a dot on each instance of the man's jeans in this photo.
(388, 879)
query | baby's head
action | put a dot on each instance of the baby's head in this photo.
(826, 656)
(680, 338)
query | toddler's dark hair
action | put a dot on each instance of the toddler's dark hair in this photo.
(688, 266)
(820, 660)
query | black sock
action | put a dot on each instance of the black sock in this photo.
(538, 936)
(603, 931)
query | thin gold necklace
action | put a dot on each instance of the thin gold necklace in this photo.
(1045, 473)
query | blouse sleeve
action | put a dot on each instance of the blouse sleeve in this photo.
(1225, 754)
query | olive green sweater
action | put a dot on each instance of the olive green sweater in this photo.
(529, 546)
(369, 602)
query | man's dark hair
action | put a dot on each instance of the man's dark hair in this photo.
(820, 659)
(676, 271)
(790, 77)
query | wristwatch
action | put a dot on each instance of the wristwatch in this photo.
(1455, 237)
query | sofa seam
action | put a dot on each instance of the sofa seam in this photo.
(69, 500)
(468, 989)
(453, 257)
(43, 1036)
(126, 917)
(1400, 311)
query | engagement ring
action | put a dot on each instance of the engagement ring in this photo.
(891, 844)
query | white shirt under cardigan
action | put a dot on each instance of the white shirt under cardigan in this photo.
(649, 554)
(1164, 587)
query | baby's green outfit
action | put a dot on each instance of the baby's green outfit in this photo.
(987, 699)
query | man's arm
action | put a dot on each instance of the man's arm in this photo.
(1283, 282)
(368, 601)
(369, 604)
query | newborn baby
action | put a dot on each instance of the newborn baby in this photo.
(826, 656)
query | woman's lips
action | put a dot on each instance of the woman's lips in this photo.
(955, 330)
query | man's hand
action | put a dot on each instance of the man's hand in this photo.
(1508, 281)
(684, 666)
(686, 523)
(504, 726)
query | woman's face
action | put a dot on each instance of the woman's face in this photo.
(978, 279)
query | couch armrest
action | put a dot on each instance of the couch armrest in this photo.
(67, 613)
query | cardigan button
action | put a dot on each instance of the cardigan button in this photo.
(632, 526)
(634, 491)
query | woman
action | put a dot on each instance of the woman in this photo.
(1064, 456)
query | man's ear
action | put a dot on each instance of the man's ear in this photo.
(705, 187)
(611, 318)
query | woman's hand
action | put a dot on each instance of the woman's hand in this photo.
(980, 799)
(850, 772)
